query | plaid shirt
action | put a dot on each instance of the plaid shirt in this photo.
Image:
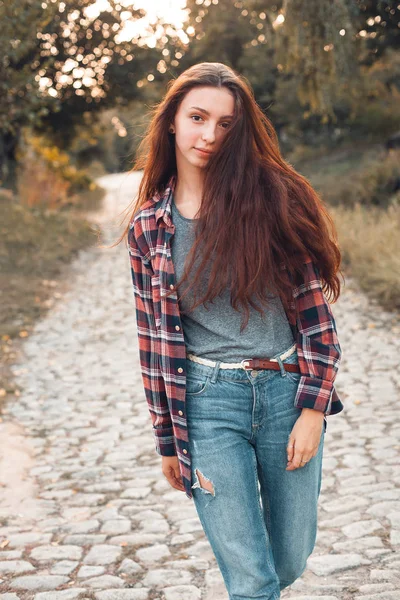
(162, 347)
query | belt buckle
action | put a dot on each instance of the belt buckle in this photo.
(246, 368)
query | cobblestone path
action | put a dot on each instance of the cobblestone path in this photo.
(85, 511)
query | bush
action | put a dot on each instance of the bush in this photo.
(351, 177)
(45, 175)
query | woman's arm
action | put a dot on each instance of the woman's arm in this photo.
(318, 348)
(153, 381)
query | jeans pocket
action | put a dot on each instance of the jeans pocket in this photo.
(293, 376)
(196, 385)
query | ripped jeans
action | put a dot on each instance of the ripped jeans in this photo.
(260, 520)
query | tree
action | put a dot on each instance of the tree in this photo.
(379, 26)
(311, 40)
(60, 60)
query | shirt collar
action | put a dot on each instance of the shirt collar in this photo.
(164, 200)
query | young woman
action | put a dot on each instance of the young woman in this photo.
(222, 223)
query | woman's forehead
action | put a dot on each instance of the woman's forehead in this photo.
(210, 99)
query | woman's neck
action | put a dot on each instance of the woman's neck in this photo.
(187, 197)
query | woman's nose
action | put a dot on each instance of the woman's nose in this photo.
(209, 134)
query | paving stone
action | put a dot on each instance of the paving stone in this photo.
(90, 571)
(182, 592)
(370, 588)
(56, 553)
(395, 537)
(61, 595)
(10, 554)
(153, 553)
(15, 567)
(85, 539)
(130, 567)
(28, 538)
(340, 520)
(162, 577)
(82, 527)
(102, 555)
(361, 528)
(105, 581)
(38, 582)
(384, 575)
(380, 596)
(332, 563)
(313, 597)
(360, 544)
(142, 594)
(116, 527)
(64, 567)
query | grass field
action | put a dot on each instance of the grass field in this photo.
(36, 247)
(355, 184)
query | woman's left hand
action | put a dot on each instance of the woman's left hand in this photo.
(304, 438)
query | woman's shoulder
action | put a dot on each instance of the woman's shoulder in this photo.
(143, 226)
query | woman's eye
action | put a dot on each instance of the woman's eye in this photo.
(225, 125)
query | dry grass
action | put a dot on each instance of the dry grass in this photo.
(370, 242)
(36, 247)
(356, 183)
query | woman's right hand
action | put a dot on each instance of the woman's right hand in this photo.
(170, 469)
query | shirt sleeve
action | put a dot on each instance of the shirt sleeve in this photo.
(318, 348)
(153, 381)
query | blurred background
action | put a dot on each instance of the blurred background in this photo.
(78, 79)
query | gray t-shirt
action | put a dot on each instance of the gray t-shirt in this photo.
(214, 332)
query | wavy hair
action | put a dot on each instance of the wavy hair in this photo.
(259, 218)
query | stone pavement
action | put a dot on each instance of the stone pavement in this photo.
(85, 511)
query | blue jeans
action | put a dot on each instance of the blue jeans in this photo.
(260, 520)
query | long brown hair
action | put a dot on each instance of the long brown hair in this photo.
(258, 218)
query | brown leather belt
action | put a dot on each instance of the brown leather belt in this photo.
(265, 363)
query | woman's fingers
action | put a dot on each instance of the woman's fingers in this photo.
(299, 460)
(178, 479)
(297, 457)
(304, 439)
(170, 469)
(290, 449)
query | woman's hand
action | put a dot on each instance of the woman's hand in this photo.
(170, 469)
(304, 438)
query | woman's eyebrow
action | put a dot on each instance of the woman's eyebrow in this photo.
(203, 110)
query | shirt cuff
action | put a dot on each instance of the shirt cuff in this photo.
(165, 441)
(315, 393)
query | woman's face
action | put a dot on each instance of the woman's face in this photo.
(201, 123)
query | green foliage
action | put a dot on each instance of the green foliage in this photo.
(222, 32)
(366, 178)
(379, 20)
(58, 63)
(373, 185)
(315, 41)
(21, 60)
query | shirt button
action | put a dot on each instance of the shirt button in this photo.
(185, 451)
(180, 370)
(180, 412)
(171, 285)
(177, 327)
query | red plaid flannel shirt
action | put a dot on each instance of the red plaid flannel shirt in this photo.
(162, 348)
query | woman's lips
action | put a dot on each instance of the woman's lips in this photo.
(203, 152)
